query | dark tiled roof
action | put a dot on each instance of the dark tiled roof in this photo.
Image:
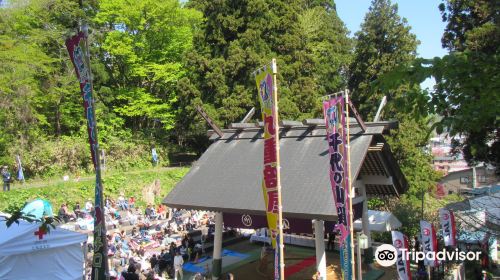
(228, 175)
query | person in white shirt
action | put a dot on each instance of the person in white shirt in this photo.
(131, 217)
(178, 262)
(88, 206)
(122, 202)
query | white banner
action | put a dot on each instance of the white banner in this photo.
(429, 242)
(447, 220)
(400, 242)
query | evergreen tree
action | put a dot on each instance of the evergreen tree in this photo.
(466, 90)
(383, 43)
(467, 79)
(471, 25)
(307, 38)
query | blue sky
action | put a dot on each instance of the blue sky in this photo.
(423, 16)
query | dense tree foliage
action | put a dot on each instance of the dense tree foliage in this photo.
(467, 80)
(383, 43)
(471, 25)
(137, 58)
(307, 38)
(139, 51)
(36, 84)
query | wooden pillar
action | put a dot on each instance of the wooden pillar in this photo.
(319, 240)
(365, 221)
(217, 254)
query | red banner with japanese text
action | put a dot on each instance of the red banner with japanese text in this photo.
(264, 81)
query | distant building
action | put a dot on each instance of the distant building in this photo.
(443, 160)
(461, 182)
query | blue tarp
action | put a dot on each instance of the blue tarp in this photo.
(234, 254)
(38, 208)
(200, 268)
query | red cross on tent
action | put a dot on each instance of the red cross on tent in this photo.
(40, 232)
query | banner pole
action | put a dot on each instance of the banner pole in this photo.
(99, 230)
(351, 191)
(280, 206)
(78, 50)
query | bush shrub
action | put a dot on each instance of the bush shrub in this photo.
(71, 155)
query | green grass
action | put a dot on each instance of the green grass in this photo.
(57, 192)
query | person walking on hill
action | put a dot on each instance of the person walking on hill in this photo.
(6, 179)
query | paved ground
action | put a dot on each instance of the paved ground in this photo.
(251, 268)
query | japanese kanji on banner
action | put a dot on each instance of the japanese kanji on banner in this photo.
(447, 220)
(400, 242)
(429, 242)
(264, 80)
(334, 112)
(78, 53)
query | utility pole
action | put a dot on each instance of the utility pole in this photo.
(423, 197)
(474, 178)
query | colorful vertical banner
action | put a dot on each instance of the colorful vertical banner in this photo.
(264, 80)
(20, 173)
(334, 112)
(429, 242)
(447, 220)
(400, 242)
(78, 53)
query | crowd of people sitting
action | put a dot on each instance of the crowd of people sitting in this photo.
(152, 243)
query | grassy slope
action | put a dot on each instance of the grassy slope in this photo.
(131, 183)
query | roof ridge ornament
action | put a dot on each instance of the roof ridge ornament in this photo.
(209, 121)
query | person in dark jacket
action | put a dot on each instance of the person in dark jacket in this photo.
(6, 178)
(130, 274)
(154, 262)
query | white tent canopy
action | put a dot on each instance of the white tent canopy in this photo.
(26, 252)
(380, 221)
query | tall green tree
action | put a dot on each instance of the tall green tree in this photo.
(471, 25)
(137, 53)
(308, 39)
(35, 84)
(383, 43)
(139, 50)
(467, 80)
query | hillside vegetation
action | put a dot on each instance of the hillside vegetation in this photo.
(131, 184)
